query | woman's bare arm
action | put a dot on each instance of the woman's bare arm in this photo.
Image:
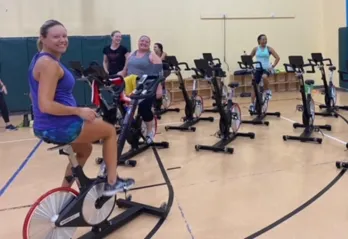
(155, 59)
(253, 52)
(106, 64)
(48, 73)
(276, 56)
(163, 57)
(124, 71)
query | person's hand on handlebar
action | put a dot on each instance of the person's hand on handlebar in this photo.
(87, 114)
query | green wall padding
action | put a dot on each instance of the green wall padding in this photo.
(343, 53)
(17, 53)
(14, 68)
(74, 53)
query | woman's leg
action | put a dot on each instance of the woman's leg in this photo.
(5, 113)
(98, 129)
(257, 76)
(265, 77)
(83, 151)
(145, 111)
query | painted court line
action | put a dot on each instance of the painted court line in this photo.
(17, 140)
(329, 136)
(21, 167)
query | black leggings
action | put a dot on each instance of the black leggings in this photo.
(145, 109)
(4, 109)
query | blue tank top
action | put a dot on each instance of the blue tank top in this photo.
(263, 55)
(63, 95)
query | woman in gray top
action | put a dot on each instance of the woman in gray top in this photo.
(141, 62)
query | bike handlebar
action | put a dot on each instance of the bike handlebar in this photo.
(329, 60)
(218, 60)
(245, 66)
(315, 63)
(147, 87)
(185, 64)
(299, 69)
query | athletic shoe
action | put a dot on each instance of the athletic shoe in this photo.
(11, 127)
(149, 137)
(251, 108)
(269, 94)
(120, 186)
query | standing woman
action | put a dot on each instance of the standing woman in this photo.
(115, 55)
(263, 53)
(158, 49)
(141, 62)
(4, 109)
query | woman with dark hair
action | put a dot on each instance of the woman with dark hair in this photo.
(158, 49)
(3, 108)
(263, 53)
(115, 55)
(58, 119)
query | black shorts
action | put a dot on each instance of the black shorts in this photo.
(259, 73)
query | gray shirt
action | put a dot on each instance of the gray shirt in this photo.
(142, 65)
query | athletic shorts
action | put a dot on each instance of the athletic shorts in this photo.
(259, 73)
(64, 135)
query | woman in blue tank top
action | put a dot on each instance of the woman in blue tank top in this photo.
(140, 62)
(263, 53)
(58, 120)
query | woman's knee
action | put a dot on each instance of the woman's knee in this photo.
(145, 110)
(82, 150)
(96, 130)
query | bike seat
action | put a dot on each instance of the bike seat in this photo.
(233, 85)
(332, 68)
(309, 82)
(57, 145)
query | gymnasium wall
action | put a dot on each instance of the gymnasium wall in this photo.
(334, 17)
(181, 29)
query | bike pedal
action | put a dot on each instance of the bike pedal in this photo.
(299, 108)
(234, 116)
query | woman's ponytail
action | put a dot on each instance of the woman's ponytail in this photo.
(39, 44)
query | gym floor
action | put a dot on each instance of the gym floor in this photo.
(216, 195)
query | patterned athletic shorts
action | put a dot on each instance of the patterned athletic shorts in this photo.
(61, 135)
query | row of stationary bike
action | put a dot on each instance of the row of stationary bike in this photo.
(61, 211)
(230, 113)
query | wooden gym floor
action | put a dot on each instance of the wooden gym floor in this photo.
(216, 195)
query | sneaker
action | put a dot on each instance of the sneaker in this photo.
(11, 127)
(120, 186)
(269, 94)
(149, 137)
(251, 108)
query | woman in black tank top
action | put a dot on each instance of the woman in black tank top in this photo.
(158, 49)
(115, 55)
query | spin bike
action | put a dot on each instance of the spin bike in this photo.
(230, 114)
(261, 97)
(308, 107)
(58, 213)
(117, 111)
(193, 104)
(161, 106)
(221, 75)
(329, 88)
